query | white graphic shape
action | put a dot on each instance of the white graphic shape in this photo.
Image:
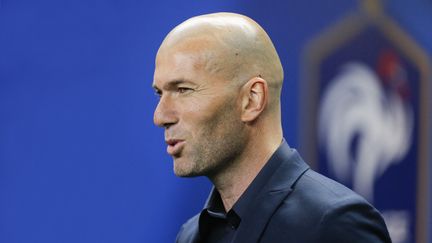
(355, 105)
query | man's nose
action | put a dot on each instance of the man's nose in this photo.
(165, 114)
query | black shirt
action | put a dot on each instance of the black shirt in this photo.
(216, 225)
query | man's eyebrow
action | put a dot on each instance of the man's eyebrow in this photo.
(172, 83)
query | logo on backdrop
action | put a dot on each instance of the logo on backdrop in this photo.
(365, 121)
(365, 117)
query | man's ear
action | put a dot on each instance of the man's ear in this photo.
(254, 99)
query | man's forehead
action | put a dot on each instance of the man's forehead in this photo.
(187, 56)
(177, 67)
(202, 54)
(178, 62)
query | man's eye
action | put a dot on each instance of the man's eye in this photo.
(158, 93)
(183, 90)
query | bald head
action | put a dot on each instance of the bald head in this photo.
(219, 80)
(232, 46)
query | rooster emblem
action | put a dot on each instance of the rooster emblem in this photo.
(365, 122)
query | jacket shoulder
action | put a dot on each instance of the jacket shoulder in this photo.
(319, 209)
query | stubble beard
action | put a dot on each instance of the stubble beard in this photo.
(220, 143)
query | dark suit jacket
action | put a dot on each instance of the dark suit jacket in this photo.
(300, 205)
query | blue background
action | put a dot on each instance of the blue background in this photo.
(80, 158)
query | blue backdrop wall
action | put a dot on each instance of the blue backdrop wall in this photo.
(80, 158)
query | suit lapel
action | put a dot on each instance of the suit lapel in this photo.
(189, 233)
(279, 186)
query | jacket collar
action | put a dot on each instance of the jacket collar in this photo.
(278, 187)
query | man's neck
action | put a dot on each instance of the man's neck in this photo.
(235, 179)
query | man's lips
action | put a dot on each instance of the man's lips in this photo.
(174, 146)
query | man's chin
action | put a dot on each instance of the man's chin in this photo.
(184, 169)
(185, 173)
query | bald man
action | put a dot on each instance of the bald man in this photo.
(219, 80)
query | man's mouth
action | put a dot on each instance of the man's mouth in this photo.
(175, 146)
